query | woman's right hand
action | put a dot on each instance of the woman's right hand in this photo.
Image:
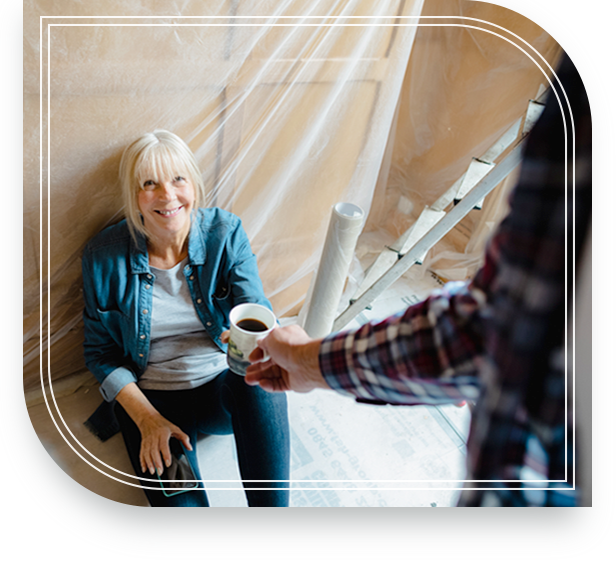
(156, 431)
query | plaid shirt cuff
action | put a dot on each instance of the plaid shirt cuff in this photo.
(336, 363)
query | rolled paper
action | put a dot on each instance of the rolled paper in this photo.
(345, 226)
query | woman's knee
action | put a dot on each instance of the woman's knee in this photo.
(237, 393)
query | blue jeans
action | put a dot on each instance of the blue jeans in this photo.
(225, 405)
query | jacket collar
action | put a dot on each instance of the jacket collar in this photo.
(196, 245)
(139, 260)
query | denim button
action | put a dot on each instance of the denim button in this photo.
(198, 301)
(145, 311)
(147, 286)
(208, 324)
(141, 337)
(192, 278)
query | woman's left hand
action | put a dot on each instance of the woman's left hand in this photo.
(224, 336)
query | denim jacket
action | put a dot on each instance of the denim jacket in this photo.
(117, 288)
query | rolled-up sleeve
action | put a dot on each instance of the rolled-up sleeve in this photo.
(115, 382)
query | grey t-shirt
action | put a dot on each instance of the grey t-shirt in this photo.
(182, 354)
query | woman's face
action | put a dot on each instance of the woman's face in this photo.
(166, 206)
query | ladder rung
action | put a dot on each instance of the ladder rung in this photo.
(475, 172)
(426, 220)
(374, 272)
(503, 142)
(533, 112)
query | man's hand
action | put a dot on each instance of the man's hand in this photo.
(293, 363)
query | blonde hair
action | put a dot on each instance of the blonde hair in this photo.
(156, 156)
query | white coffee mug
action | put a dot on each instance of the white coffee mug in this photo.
(249, 322)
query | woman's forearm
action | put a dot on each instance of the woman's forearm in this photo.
(136, 404)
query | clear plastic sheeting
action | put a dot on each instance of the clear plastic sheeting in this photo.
(290, 107)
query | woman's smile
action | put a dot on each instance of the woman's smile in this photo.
(166, 206)
(169, 213)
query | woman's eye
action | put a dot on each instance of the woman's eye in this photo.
(179, 179)
(149, 185)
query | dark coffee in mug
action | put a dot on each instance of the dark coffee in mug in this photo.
(252, 325)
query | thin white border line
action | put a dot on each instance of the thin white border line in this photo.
(339, 17)
(209, 488)
(237, 25)
(59, 25)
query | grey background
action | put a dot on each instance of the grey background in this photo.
(310, 531)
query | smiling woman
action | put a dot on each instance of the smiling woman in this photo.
(165, 207)
(155, 320)
(160, 178)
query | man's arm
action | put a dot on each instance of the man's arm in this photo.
(428, 354)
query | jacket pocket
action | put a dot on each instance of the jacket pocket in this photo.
(223, 289)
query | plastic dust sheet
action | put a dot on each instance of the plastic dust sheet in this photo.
(289, 106)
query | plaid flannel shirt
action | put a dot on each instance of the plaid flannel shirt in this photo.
(498, 340)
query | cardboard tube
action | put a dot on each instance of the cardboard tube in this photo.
(344, 228)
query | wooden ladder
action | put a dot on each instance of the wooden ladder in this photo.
(468, 192)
